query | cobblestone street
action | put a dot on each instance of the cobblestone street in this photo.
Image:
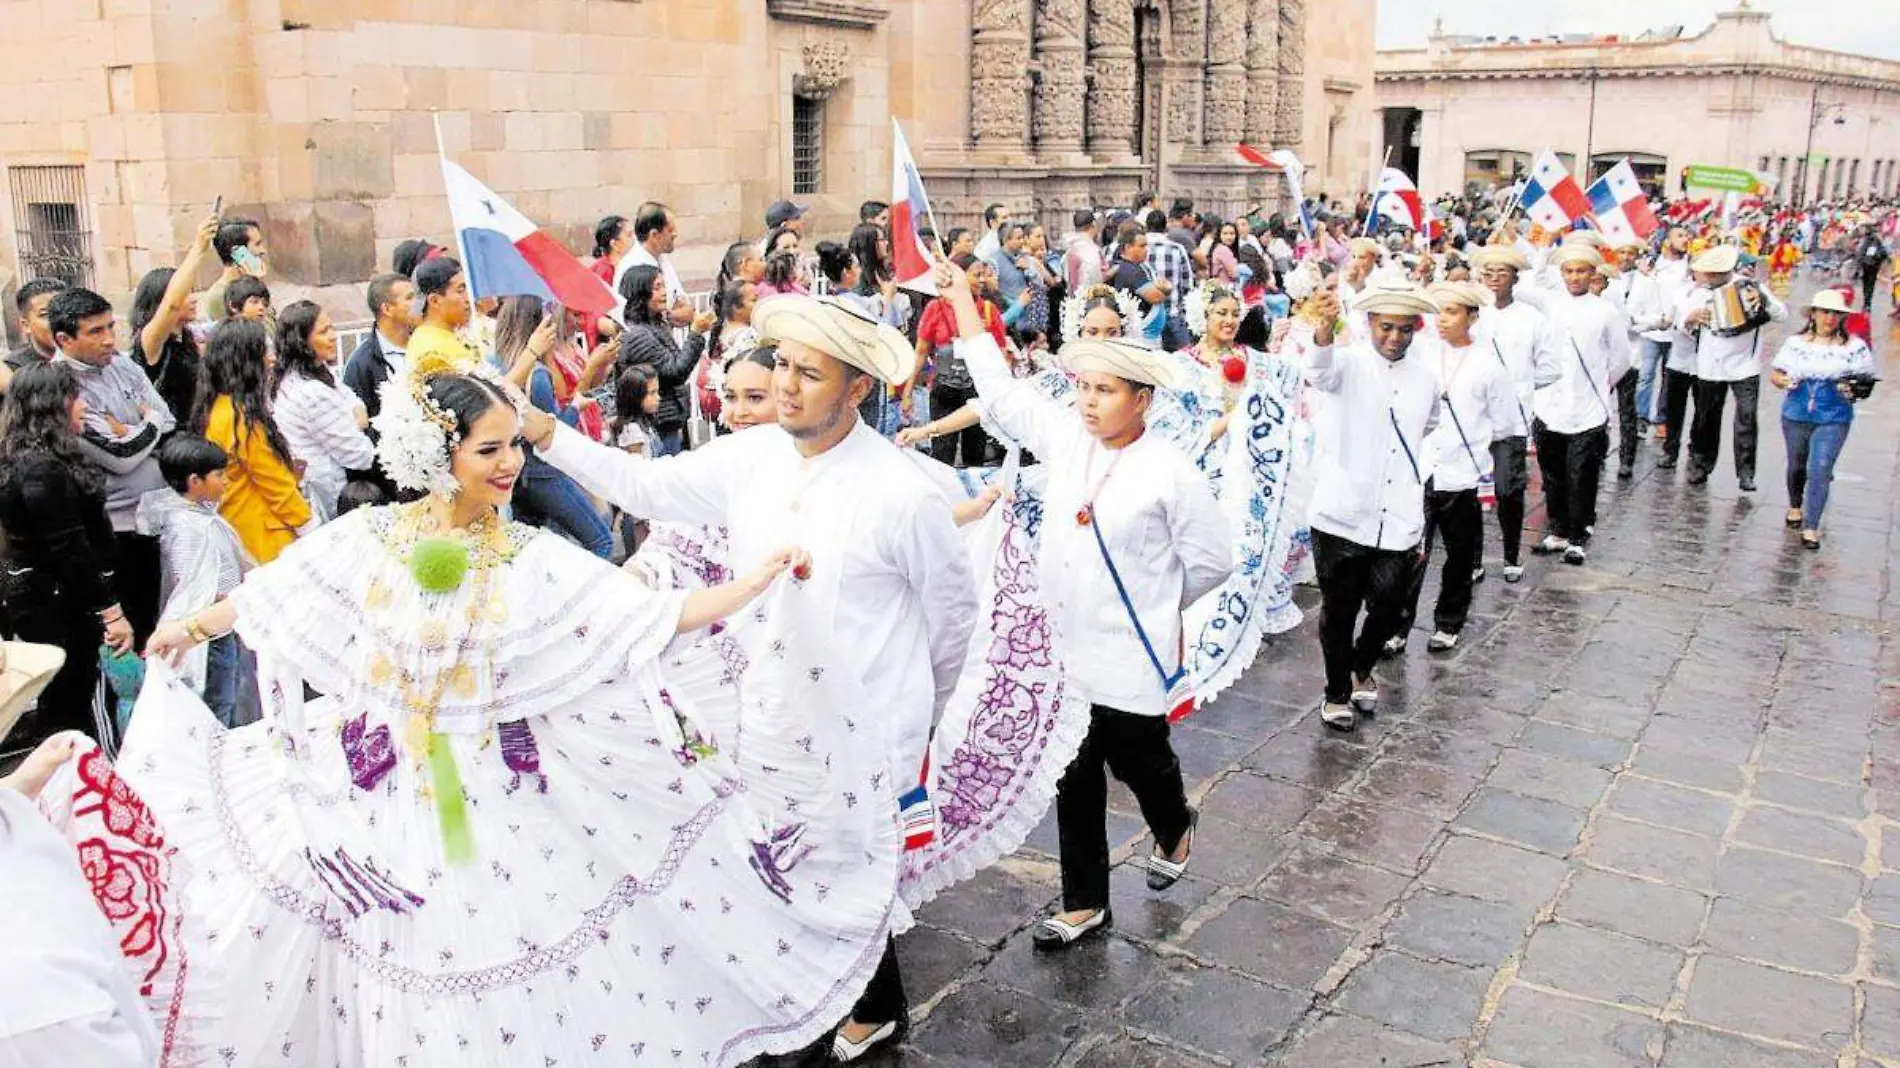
(1643, 816)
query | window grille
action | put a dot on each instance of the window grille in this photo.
(53, 223)
(808, 145)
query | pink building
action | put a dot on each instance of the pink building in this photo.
(1464, 112)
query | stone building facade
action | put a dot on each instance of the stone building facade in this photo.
(1465, 111)
(122, 120)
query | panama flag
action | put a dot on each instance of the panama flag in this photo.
(912, 265)
(1289, 166)
(1621, 207)
(507, 256)
(1552, 198)
(1397, 201)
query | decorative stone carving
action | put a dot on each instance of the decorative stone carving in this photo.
(827, 66)
(851, 14)
(1062, 84)
(999, 75)
(1263, 71)
(1187, 34)
(1184, 111)
(1112, 76)
(1290, 121)
(1226, 114)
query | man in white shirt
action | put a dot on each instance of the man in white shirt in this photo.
(1476, 400)
(1724, 364)
(1521, 340)
(885, 550)
(1652, 306)
(1082, 259)
(655, 232)
(1368, 510)
(1618, 291)
(994, 217)
(1573, 413)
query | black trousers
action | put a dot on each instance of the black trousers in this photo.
(1572, 465)
(1137, 750)
(1628, 430)
(1705, 435)
(1459, 518)
(883, 1000)
(1869, 282)
(136, 581)
(972, 440)
(1351, 577)
(38, 610)
(1678, 387)
(1511, 466)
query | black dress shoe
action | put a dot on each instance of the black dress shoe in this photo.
(1666, 463)
(1697, 476)
(1626, 471)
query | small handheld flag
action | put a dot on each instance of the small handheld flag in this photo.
(506, 255)
(913, 267)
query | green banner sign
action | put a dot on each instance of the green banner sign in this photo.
(1722, 179)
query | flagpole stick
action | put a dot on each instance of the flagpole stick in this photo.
(461, 247)
(1366, 227)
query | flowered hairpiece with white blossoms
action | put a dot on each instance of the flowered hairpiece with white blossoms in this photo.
(416, 437)
(1077, 305)
(1194, 306)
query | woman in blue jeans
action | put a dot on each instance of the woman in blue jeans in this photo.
(525, 336)
(1819, 368)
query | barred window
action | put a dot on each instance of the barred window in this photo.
(808, 145)
(53, 223)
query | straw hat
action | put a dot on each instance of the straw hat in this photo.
(1469, 294)
(1499, 255)
(1577, 252)
(1829, 300)
(1124, 359)
(839, 330)
(1390, 298)
(1719, 260)
(26, 669)
(1586, 237)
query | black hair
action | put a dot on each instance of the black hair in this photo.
(23, 299)
(873, 270)
(295, 354)
(834, 260)
(148, 298)
(434, 277)
(410, 255)
(1155, 221)
(991, 214)
(1009, 230)
(72, 306)
(781, 270)
(727, 300)
(36, 417)
(1182, 206)
(630, 393)
(1083, 218)
(649, 220)
(765, 354)
(605, 232)
(359, 493)
(771, 239)
(636, 288)
(381, 290)
(1127, 234)
(233, 234)
(234, 367)
(467, 398)
(239, 292)
(950, 239)
(871, 209)
(185, 455)
(1142, 199)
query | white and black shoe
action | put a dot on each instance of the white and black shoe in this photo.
(1162, 872)
(1477, 574)
(1443, 641)
(1513, 573)
(1551, 545)
(845, 1051)
(1575, 556)
(1365, 694)
(1054, 932)
(1343, 718)
(1395, 646)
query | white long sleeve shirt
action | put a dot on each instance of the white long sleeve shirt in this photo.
(1725, 359)
(1653, 296)
(319, 424)
(885, 550)
(1370, 475)
(1478, 403)
(1593, 351)
(1521, 340)
(1165, 531)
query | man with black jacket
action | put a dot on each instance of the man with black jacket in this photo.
(392, 300)
(1870, 255)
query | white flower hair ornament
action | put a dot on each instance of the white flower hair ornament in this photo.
(1301, 282)
(416, 437)
(1194, 306)
(1076, 306)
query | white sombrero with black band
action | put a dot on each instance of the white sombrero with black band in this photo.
(837, 329)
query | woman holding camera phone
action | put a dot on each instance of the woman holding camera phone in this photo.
(1824, 371)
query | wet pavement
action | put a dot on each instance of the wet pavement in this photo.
(1642, 816)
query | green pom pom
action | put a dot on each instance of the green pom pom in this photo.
(438, 564)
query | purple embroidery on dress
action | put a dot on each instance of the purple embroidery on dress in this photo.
(370, 755)
(518, 751)
(360, 887)
(773, 858)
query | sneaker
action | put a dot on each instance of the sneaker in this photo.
(1550, 545)
(1443, 641)
(1477, 573)
(1342, 718)
(1365, 693)
(1574, 556)
(1395, 646)
(1513, 573)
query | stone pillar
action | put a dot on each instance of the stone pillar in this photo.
(1186, 67)
(1061, 88)
(1263, 73)
(999, 77)
(1290, 124)
(1112, 76)
(1225, 118)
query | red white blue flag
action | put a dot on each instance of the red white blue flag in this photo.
(911, 263)
(1396, 200)
(506, 255)
(1552, 198)
(1621, 206)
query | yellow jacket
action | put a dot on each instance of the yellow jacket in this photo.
(262, 501)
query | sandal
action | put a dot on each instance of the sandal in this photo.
(1793, 519)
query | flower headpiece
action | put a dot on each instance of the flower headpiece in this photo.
(1076, 306)
(415, 436)
(1302, 282)
(1194, 306)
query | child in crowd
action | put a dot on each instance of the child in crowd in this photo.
(636, 400)
(201, 559)
(359, 493)
(248, 298)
